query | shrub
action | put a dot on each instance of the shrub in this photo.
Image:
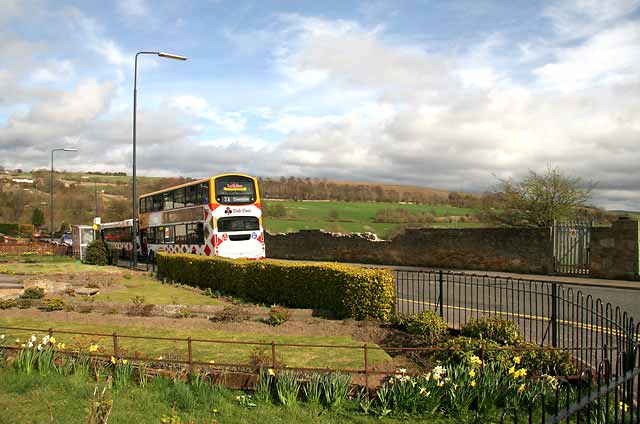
(99, 253)
(139, 308)
(24, 303)
(232, 313)
(501, 331)
(54, 304)
(277, 315)
(348, 291)
(7, 303)
(33, 293)
(428, 326)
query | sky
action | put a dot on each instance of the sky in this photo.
(443, 94)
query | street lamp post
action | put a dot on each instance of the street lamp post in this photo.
(134, 228)
(51, 185)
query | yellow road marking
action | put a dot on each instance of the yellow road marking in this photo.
(581, 325)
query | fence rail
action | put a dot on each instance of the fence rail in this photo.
(38, 248)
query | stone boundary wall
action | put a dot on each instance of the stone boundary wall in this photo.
(615, 250)
(526, 250)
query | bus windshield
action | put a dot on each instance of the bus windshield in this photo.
(235, 189)
(238, 223)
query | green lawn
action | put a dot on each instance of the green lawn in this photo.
(34, 398)
(354, 216)
(154, 293)
(204, 352)
(54, 267)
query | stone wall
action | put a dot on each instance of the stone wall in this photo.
(615, 252)
(527, 250)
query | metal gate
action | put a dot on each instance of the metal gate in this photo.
(572, 248)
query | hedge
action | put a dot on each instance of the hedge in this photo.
(348, 291)
(9, 229)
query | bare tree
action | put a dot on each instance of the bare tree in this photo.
(539, 199)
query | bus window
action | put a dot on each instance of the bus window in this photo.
(168, 201)
(179, 198)
(238, 223)
(158, 201)
(191, 196)
(203, 194)
(181, 234)
(168, 234)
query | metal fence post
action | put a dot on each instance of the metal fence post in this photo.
(441, 288)
(366, 367)
(554, 314)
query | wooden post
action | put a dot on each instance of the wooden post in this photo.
(50, 332)
(190, 355)
(115, 344)
(273, 354)
(366, 367)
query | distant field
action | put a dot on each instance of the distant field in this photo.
(357, 216)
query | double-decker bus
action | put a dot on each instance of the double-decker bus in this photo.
(216, 216)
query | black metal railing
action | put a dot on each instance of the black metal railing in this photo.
(547, 313)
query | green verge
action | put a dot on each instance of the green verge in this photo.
(348, 291)
(35, 398)
(300, 357)
(154, 293)
(53, 267)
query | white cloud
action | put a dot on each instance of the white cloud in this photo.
(133, 8)
(54, 71)
(198, 106)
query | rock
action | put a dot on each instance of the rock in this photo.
(87, 291)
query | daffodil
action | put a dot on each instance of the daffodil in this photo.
(52, 340)
(125, 362)
(473, 383)
(113, 360)
(93, 348)
(472, 373)
(516, 360)
(512, 369)
(623, 406)
(271, 371)
(61, 346)
(521, 388)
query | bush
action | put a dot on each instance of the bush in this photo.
(99, 253)
(277, 315)
(501, 331)
(54, 304)
(348, 291)
(33, 293)
(138, 308)
(232, 313)
(7, 304)
(428, 326)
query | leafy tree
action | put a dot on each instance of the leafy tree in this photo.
(539, 199)
(37, 218)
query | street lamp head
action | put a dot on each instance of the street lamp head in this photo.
(70, 150)
(171, 56)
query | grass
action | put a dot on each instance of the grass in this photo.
(54, 267)
(155, 293)
(355, 216)
(36, 398)
(203, 352)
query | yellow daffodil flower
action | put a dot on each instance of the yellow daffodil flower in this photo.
(52, 340)
(113, 360)
(125, 362)
(517, 359)
(93, 348)
(473, 383)
(521, 388)
(472, 373)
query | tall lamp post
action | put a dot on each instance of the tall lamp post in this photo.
(134, 228)
(51, 186)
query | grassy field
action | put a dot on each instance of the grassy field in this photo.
(355, 216)
(204, 352)
(154, 292)
(67, 265)
(35, 398)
